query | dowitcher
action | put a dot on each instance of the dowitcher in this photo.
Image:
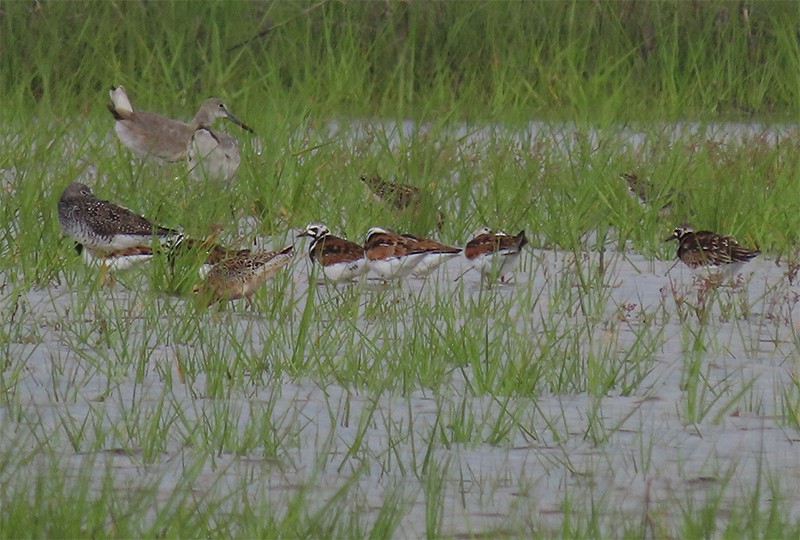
(494, 253)
(341, 260)
(240, 275)
(151, 134)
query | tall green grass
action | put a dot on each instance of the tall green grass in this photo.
(477, 60)
(471, 365)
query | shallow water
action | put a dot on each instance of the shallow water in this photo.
(627, 456)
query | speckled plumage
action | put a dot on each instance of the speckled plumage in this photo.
(401, 197)
(240, 275)
(118, 238)
(706, 250)
(103, 226)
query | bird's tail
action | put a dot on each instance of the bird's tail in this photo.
(120, 105)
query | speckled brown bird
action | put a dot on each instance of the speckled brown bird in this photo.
(115, 238)
(241, 275)
(402, 197)
(646, 194)
(709, 253)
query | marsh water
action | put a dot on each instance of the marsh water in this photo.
(701, 412)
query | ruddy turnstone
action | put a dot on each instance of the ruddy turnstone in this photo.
(240, 275)
(494, 253)
(391, 255)
(710, 255)
(436, 254)
(151, 134)
(341, 260)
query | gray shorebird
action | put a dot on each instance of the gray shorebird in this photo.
(341, 260)
(241, 275)
(494, 253)
(212, 155)
(151, 134)
(710, 255)
(115, 237)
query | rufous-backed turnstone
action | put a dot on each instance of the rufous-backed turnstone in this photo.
(391, 255)
(494, 253)
(341, 260)
(436, 254)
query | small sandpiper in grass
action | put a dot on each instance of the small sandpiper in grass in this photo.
(241, 275)
(711, 256)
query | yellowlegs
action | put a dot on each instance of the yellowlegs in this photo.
(240, 275)
(494, 253)
(117, 238)
(151, 134)
(341, 260)
(102, 226)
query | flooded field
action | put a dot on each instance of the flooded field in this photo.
(653, 400)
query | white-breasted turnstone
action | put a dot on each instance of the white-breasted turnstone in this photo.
(391, 255)
(241, 275)
(494, 253)
(436, 254)
(341, 260)
(710, 255)
(151, 134)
